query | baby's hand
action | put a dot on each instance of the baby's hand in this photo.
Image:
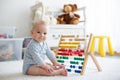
(58, 65)
(48, 68)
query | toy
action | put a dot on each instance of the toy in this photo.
(38, 15)
(74, 59)
(69, 17)
(38, 11)
(49, 19)
(6, 52)
(70, 52)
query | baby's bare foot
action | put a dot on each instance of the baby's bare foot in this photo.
(64, 72)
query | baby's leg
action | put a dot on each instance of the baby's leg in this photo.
(36, 70)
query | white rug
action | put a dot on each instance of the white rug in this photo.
(12, 70)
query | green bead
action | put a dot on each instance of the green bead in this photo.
(65, 57)
(76, 58)
(73, 62)
(83, 59)
(82, 63)
(57, 56)
(77, 62)
(60, 57)
(61, 61)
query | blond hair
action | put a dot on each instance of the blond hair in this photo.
(37, 24)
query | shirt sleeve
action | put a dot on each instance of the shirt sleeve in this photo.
(36, 55)
(49, 53)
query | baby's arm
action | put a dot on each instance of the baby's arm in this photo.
(49, 53)
(52, 57)
(56, 64)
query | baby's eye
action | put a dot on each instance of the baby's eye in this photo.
(45, 33)
(38, 32)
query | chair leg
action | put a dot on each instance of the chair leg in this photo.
(101, 48)
(110, 49)
(92, 45)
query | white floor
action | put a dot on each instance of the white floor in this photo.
(12, 70)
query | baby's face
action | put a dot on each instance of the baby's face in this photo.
(39, 33)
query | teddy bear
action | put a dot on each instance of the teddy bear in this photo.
(69, 17)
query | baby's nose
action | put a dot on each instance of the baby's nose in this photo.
(42, 34)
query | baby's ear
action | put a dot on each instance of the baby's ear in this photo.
(31, 32)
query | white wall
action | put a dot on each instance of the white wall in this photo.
(116, 23)
(102, 16)
(103, 19)
(16, 13)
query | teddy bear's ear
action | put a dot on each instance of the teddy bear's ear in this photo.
(74, 7)
(64, 8)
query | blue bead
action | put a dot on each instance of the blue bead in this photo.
(73, 66)
(70, 66)
(69, 70)
(79, 67)
(77, 71)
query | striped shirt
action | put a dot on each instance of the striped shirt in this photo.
(35, 54)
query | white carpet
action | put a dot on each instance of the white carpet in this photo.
(12, 70)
